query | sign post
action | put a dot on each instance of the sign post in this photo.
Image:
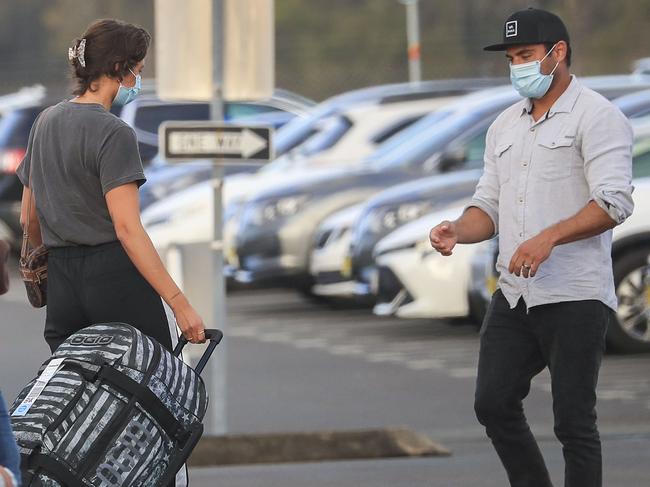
(212, 50)
(223, 144)
(413, 37)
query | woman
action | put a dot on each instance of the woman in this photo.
(83, 167)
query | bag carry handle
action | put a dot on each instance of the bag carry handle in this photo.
(214, 336)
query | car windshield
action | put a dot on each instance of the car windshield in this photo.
(333, 129)
(409, 133)
(149, 118)
(300, 129)
(434, 132)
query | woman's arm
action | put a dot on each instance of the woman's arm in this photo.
(123, 206)
(34, 230)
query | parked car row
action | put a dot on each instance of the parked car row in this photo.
(144, 114)
(345, 211)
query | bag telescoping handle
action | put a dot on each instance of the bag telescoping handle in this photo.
(213, 336)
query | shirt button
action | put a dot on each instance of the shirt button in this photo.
(532, 129)
(521, 234)
(525, 163)
(521, 200)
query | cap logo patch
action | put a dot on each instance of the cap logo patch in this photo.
(511, 28)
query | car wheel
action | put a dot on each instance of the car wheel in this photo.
(630, 332)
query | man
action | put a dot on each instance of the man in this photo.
(557, 179)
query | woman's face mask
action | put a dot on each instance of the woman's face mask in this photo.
(528, 79)
(126, 94)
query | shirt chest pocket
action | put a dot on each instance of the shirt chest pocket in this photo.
(556, 157)
(503, 161)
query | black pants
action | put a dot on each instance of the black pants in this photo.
(100, 284)
(569, 339)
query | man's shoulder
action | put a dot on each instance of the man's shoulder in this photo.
(594, 109)
(590, 101)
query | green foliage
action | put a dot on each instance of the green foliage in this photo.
(324, 47)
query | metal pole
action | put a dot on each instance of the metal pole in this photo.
(215, 422)
(413, 38)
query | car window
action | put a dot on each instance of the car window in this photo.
(387, 133)
(15, 127)
(238, 110)
(149, 118)
(300, 129)
(409, 133)
(641, 159)
(332, 131)
(428, 141)
(475, 147)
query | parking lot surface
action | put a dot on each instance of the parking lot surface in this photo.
(295, 365)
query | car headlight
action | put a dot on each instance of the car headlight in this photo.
(387, 219)
(270, 211)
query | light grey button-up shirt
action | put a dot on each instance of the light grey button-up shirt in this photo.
(539, 173)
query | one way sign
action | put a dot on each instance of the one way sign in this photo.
(212, 140)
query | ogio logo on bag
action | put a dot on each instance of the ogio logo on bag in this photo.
(131, 448)
(91, 341)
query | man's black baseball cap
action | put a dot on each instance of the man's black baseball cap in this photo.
(531, 26)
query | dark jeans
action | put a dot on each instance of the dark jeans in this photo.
(8, 449)
(569, 339)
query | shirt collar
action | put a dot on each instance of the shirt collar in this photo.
(564, 103)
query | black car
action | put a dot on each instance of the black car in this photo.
(14, 136)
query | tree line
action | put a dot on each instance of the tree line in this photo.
(325, 47)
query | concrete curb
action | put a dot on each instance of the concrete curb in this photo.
(313, 447)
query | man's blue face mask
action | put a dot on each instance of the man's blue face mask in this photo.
(127, 95)
(528, 79)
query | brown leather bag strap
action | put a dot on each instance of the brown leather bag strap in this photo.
(25, 246)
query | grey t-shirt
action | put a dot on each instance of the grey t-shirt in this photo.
(79, 152)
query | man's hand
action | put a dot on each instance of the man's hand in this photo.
(530, 254)
(443, 237)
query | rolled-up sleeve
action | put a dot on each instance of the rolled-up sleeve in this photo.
(607, 143)
(486, 196)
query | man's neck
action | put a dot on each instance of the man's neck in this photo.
(544, 104)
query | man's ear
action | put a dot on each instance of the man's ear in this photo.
(561, 50)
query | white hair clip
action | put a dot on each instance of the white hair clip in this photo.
(79, 52)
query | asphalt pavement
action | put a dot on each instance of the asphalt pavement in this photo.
(293, 365)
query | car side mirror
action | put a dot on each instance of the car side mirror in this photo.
(452, 159)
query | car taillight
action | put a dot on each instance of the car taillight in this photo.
(10, 159)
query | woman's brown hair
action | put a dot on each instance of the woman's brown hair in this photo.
(108, 47)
